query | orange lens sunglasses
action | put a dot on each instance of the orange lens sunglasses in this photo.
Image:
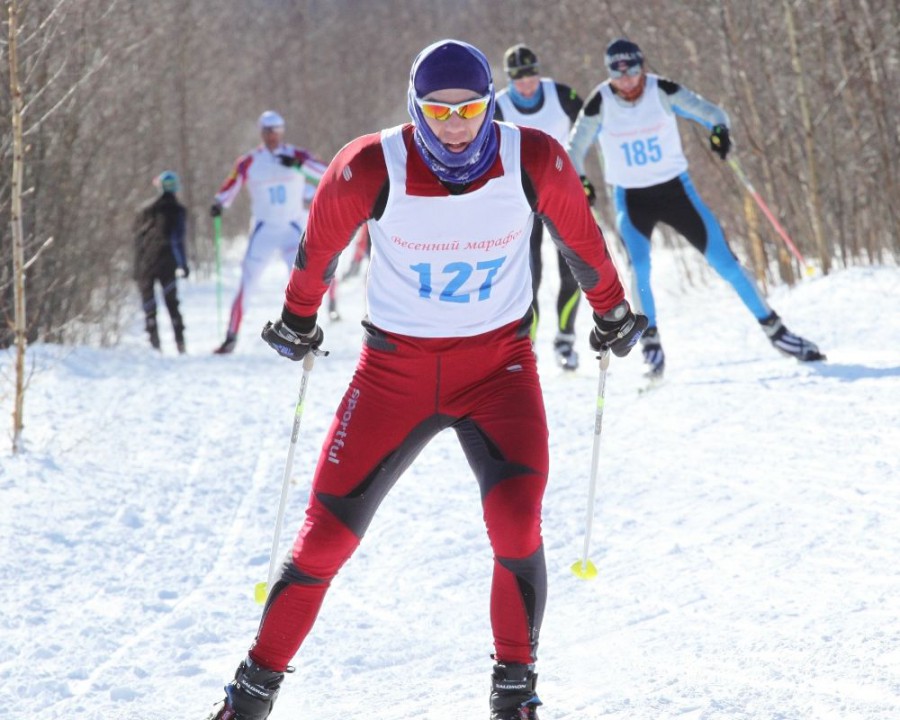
(443, 111)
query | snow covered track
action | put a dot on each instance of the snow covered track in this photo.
(746, 533)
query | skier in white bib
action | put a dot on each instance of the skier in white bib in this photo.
(278, 177)
(540, 102)
(633, 117)
(449, 200)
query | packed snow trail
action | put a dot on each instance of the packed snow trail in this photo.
(746, 528)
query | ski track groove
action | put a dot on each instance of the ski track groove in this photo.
(724, 592)
(219, 431)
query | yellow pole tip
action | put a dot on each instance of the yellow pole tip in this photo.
(584, 569)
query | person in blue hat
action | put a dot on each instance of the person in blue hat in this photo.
(449, 200)
(633, 118)
(159, 255)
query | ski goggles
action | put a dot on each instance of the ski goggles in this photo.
(443, 111)
(523, 71)
(630, 71)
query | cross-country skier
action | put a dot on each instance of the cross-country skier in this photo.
(543, 103)
(159, 254)
(449, 201)
(633, 118)
(277, 176)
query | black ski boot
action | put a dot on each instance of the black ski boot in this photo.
(179, 338)
(787, 343)
(153, 332)
(564, 349)
(227, 347)
(654, 357)
(512, 692)
(251, 695)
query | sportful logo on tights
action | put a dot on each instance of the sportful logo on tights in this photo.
(341, 433)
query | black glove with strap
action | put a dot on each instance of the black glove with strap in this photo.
(619, 330)
(215, 210)
(720, 140)
(289, 161)
(589, 191)
(290, 344)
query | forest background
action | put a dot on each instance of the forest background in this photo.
(116, 91)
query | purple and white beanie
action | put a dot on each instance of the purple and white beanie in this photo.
(453, 64)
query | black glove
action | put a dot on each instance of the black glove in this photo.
(589, 191)
(290, 344)
(183, 272)
(619, 330)
(720, 141)
(215, 210)
(289, 161)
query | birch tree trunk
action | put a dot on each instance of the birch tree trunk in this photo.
(814, 203)
(757, 253)
(753, 128)
(17, 231)
(876, 92)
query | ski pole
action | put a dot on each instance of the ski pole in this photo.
(584, 568)
(217, 237)
(261, 590)
(739, 171)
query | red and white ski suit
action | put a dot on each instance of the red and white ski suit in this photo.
(446, 346)
(278, 213)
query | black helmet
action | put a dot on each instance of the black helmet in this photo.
(520, 62)
(622, 54)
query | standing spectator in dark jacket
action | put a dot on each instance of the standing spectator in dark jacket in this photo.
(542, 103)
(158, 253)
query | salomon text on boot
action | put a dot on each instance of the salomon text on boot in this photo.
(513, 696)
(251, 695)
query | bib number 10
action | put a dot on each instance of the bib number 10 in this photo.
(454, 276)
(641, 152)
(277, 194)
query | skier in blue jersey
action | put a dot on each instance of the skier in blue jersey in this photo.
(633, 118)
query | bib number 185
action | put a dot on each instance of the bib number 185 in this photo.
(641, 152)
